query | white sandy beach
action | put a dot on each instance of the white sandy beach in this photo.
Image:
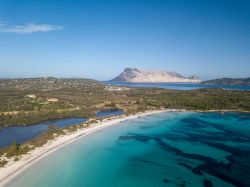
(12, 169)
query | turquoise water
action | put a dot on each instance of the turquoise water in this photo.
(167, 149)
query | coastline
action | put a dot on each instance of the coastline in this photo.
(14, 168)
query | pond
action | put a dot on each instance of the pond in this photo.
(21, 134)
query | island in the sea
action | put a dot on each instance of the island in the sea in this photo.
(139, 75)
(229, 81)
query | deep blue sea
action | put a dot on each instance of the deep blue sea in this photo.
(179, 86)
(168, 149)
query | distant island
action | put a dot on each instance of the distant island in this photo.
(138, 75)
(229, 81)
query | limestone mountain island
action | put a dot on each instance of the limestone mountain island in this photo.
(139, 75)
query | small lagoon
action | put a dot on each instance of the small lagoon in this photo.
(21, 134)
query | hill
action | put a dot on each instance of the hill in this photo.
(138, 75)
(229, 81)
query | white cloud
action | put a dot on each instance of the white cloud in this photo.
(28, 28)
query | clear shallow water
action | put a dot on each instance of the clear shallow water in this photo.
(21, 134)
(179, 86)
(168, 149)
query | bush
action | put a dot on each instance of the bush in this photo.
(16, 150)
(3, 163)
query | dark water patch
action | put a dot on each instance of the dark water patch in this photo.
(233, 134)
(220, 171)
(207, 183)
(197, 171)
(166, 147)
(224, 135)
(235, 171)
(210, 166)
(165, 180)
(234, 151)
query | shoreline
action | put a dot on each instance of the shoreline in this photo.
(13, 169)
(170, 110)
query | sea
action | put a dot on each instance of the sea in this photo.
(170, 149)
(179, 86)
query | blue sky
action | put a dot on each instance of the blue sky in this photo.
(97, 39)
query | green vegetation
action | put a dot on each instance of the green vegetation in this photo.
(3, 163)
(203, 99)
(25, 102)
(83, 98)
(16, 150)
